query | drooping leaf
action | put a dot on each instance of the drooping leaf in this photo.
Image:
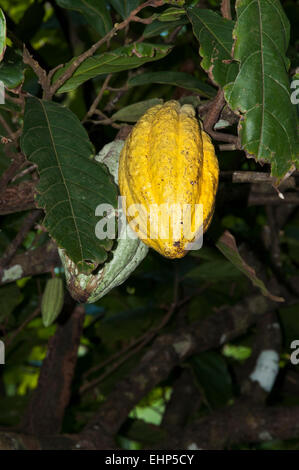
(181, 79)
(261, 90)
(134, 111)
(157, 27)
(124, 7)
(12, 68)
(124, 58)
(2, 34)
(214, 34)
(71, 184)
(94, 11)
(227, 245)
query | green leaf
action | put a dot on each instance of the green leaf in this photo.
(134, 111)
(227, 245)
(261, 91)
(94, 11)
(71, 184)
(217, 270)
(2, 34)
(12, 68)
(124, 7)
(171, 14)
(213, 375)
(124, 58)
(214, 34)
(157, 27)
(181, 79)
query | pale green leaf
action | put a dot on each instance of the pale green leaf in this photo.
(2, 34)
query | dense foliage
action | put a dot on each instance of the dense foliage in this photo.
(188, 353)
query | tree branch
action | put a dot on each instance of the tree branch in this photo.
(31, 263)
(45, 412)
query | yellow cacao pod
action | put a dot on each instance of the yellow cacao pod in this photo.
(168, 161)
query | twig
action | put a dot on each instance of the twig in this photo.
(7, 128)
(247, 177)
(94, 105)
(24, 172)
(17, 163)
(212, 116)
(14, 245)
(43, 78)
(173, 35)
(225, 9)
(34, 314)
(106, 122)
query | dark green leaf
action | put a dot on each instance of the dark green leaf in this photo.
(10, 297)
(124, 58)
(181, 79)
(213, 375)
(227, 245)
(71, 184)
(2, 34)
(134, 111)
(30, 22)
(94, 11)
(214, 271)
(124, 7)
(214, 34)
(261, 91)
(12, 68)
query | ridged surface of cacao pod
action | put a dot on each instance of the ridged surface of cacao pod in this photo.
(168, 159)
